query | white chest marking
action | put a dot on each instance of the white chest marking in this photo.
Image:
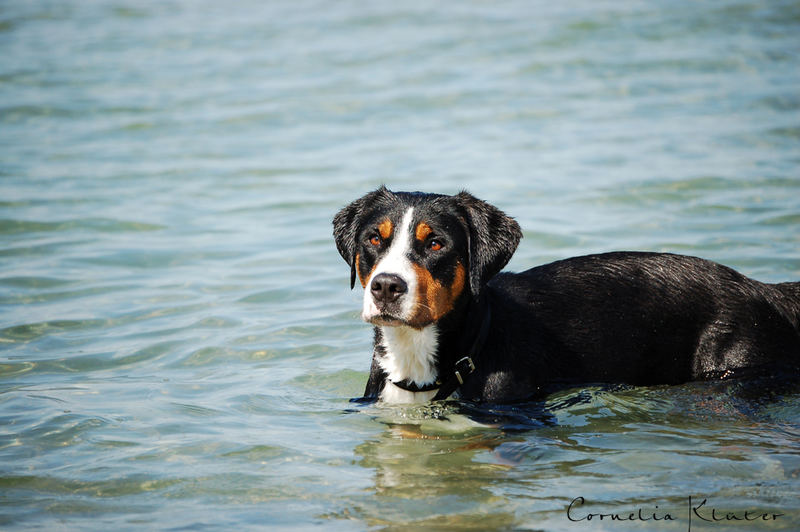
(410, 354)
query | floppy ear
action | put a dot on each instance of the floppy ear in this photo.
(347, 223)
(493, 238)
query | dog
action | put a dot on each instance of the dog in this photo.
(448, 324)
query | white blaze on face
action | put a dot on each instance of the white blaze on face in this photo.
(395, 262)
(410, 353)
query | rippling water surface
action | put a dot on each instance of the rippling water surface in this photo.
(178, 344)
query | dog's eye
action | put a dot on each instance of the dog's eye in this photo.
(375, 240)
(435, 245)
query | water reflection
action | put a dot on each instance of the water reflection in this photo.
(619, 447)
(429, 476)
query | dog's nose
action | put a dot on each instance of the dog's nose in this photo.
(387, 288)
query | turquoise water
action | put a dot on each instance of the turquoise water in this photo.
(178, 344)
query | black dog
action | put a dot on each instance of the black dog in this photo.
(447, 322)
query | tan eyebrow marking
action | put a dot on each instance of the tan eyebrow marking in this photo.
(423, 230)
(385, 228)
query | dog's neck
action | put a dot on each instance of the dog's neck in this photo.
(421, 355)
(409, 353)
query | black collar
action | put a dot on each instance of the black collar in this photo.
(411, 386)
(460, 370)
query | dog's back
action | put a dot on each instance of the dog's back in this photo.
(628, 317)
(789, 300)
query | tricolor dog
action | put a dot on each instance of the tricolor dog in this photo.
(449, 324)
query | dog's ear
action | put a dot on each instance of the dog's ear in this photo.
(347, 222)
(493, 237)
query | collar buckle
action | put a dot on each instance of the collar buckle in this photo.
(467, 366)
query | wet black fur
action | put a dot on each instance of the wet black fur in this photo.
(624, 317)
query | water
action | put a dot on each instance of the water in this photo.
(178, 344)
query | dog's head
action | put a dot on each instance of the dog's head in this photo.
(418, 256)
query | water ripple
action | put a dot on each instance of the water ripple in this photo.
(32, 331)
(103, 225)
